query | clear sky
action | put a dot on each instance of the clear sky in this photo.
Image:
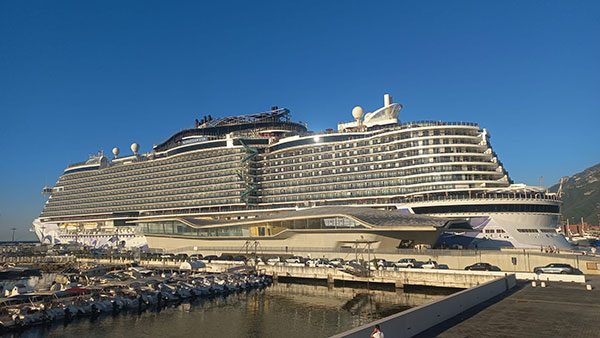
(80, 76)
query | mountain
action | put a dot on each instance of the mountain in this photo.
(581, 196)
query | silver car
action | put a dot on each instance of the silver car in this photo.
(407, 263)
(555, 268)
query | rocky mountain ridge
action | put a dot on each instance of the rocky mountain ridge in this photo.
(581, 196)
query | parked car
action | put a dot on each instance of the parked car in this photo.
(225, 258)
(429, 265)
(181, 257)
(294, 259)
(377, 264)
(210, 258)
(406, 263)
(319, 263)
(388, 266)
(311, 262)
(337, 261)
(555, 268)
(480, 267)
(273, 260)
(324, 263)
(196, 257)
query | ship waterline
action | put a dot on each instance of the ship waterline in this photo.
(243, 167)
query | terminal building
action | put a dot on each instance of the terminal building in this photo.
(322, 228)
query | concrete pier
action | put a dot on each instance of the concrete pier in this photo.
(421, 318)
(399, 278)
(559, 310)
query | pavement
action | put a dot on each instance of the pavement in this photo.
(558, 310)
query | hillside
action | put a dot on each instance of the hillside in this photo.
(581, 196)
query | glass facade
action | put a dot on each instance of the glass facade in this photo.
(257, 229)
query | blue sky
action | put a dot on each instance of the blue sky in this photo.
(80, 76)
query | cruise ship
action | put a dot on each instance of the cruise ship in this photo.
(225, 181)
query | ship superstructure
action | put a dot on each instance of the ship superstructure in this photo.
(249, 166)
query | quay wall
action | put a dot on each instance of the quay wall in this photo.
(418, 319)
(507, 259)
(400, 278)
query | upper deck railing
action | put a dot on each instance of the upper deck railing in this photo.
(429, 123)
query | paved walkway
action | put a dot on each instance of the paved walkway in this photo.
(559, 310)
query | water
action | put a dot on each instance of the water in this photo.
(282, 310)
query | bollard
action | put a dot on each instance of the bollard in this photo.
(543, 284)
(533, 284)
(588, 287)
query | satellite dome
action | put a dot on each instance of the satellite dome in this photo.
(116, 151)
(135, 147)
(358, 112)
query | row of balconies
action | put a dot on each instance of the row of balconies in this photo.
(94, 185)
(384, 164)
(374, 184)
(294, 155)
(154, 184)
(384, 138)
(139, 194)
(184, 203)
(143, 166)
(362, 176)
(155, 166)
(354, 194)
(334, 151)
(145, 203)
(389, 156)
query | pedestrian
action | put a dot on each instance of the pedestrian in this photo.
(377, 333)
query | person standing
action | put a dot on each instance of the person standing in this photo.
(377, 333)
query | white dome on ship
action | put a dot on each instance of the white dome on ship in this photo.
(358, 112)
(135, 147)
(116, 151)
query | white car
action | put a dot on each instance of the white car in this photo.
(273, 260)
(430, 265)
(323, 263)
(294, 259)
(406, 263)
(313, 262)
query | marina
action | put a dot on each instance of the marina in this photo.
(108, 296)
(104, 290)
(84, 289)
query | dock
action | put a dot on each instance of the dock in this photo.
(557, 310)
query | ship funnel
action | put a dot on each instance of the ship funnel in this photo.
(387, 100)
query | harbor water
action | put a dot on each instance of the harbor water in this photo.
(281, 310)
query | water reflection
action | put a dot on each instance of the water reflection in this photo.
(282, 310)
